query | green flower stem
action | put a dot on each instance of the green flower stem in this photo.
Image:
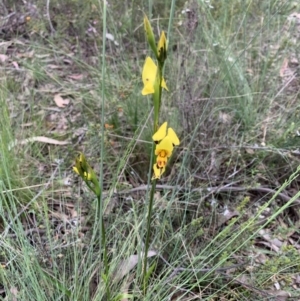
(145, 278)
(93, 185)
(100, 182)
(156, 102)
(103, 243)
(157, 95)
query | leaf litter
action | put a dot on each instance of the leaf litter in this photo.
(268, 245)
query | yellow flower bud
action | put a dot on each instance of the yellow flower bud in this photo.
(162, 48)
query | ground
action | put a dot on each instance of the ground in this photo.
(225, 222)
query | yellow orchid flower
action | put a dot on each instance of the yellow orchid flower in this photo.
(80, 164)
(163, 151)
(87, 176)
(82, 168)
(173, 137)
(157, 172)
(75, 169)
(85, 171)
(166, 140)
(161, 133)
(148, 76)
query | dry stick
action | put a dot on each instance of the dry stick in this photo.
(280, 151)
(285, 85)
(30, 203)
(29, 231)
(212, 190)
(176, 270)
(248, 286)
(49, 18)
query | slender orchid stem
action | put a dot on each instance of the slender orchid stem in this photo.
(156, 102)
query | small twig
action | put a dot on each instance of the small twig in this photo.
(250, 287)
(243, 168)
(29, 231)
(285, 85)
(204, 270)
(212, 190)
(9, 15)
(49, 18)
(280, 151)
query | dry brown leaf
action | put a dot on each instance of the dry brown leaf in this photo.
(244, 279)
(3, 58)
(76, 76)
(128, 264)
(261, 258)
(61, 102)
(125, 288)
(14, 291)
(38, 139)
(6, 44)
(296, 279)
(250, 151)
(273, 242)
(73, 213)
(108, 126)
(27, 55)
(226, 216)
(60, 215)
(52, 66)
(294, 16)
(280, 294)
(225, 118)
(46, 140)
(16, 65)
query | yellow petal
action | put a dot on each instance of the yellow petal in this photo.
(87, 176)
(148, 77)
(162, 48)
(81, 158)
(161, 161)
(161, 132)
(162, 43)
(157, 172)
(165, 145)
(75, 169)
(173, 137)
(164, 85)
(148, 89)
(149, 71)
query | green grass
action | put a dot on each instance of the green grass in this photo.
(230, 193)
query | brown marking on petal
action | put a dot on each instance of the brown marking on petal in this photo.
(161, 164)
(163, 153)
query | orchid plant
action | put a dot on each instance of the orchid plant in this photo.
(164, 141)
(164, 138)
(86, 172)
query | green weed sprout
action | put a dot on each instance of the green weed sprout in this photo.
(164, 138)
(85, 171)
